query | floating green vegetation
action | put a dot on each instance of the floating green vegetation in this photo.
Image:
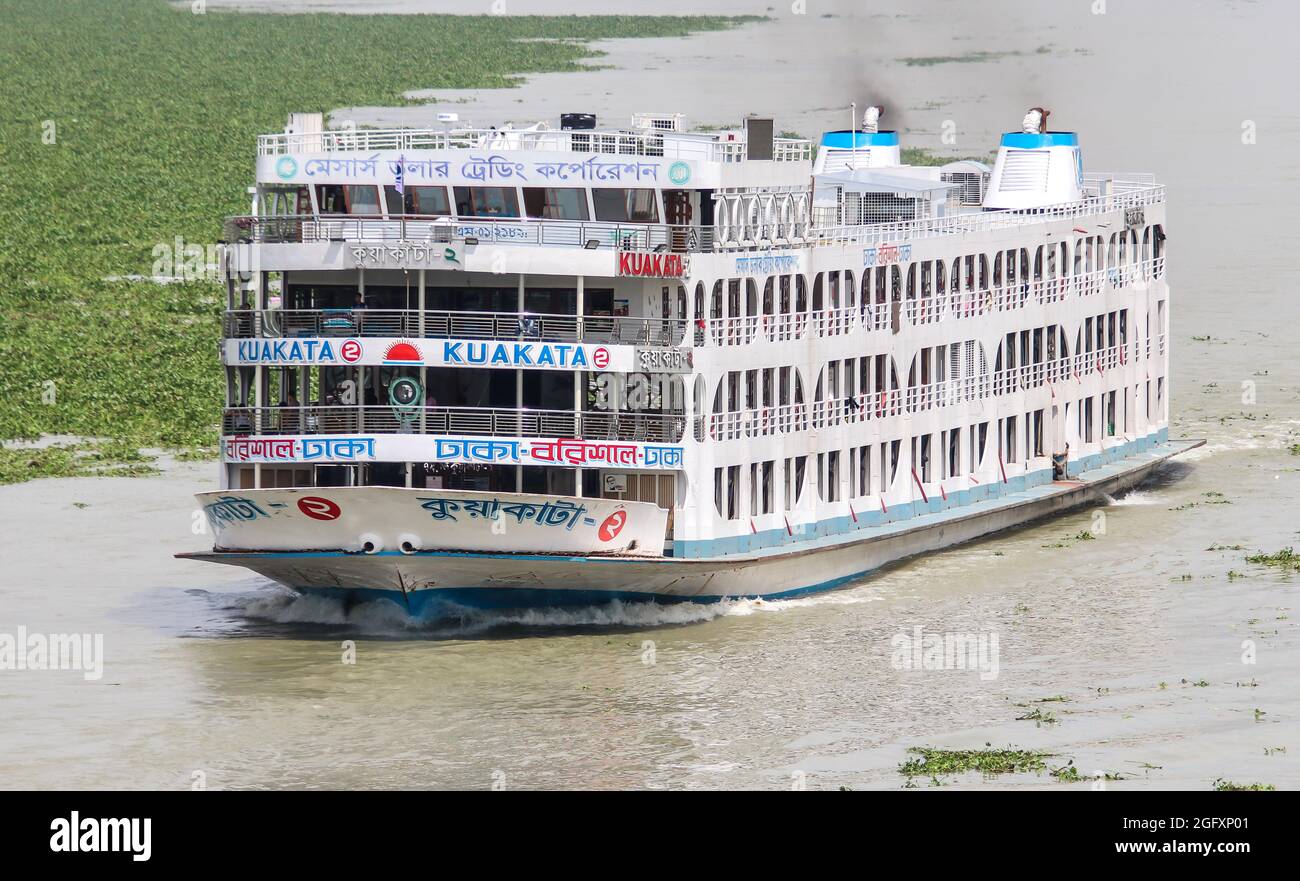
(1224, 548)
(931, 762)
(1295, 449)
(922, 156)
(1039, 717)
(126, 130)
(1286, 559)
(1274, 750)
(968, 58)
(1081, 535)
(1222, 785)
(1068, 773)
(112, 459)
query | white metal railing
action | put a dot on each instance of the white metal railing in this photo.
(648, 236)
(442, 324)
(933, 309)
(509, 231)
(501, 422)
(670, 145)
(784, 418)
(1131, 195)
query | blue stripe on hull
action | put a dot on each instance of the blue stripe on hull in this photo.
(444, 602)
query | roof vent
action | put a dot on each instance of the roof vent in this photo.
(659, 122)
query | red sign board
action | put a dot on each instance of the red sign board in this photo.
(652, 265)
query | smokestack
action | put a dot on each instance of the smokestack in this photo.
(1036, 167)
(867, 147)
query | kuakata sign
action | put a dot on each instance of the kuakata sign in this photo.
(382, 351)
(651, 265)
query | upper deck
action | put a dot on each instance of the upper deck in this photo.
(707, 147)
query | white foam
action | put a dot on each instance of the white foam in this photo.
(383, 617)
(1133, 497)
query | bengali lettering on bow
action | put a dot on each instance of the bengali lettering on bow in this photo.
(558, 512)
(231, 509)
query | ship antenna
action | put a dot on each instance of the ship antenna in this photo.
(853, 134)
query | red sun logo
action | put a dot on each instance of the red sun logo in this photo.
(612, 526)
(403, 353)
(318, 508)
(600, 358)
(350, 351)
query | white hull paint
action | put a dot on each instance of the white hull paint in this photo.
(436, 582)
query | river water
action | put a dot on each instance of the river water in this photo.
(215, 677)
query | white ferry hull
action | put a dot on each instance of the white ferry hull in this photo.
(434, 584)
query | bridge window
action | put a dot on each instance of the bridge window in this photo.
(549, 203)
(430, 201)
(625, 205)
(347, 199)
(487, 202)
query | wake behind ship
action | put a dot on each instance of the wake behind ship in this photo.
(516, 367)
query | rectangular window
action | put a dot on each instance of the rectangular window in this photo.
(487, 202)
(733, 492)
(625, 206)
(427, 201)
(348, 199)
(550, 203)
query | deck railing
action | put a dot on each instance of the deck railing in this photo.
(861, 407)
(309, 228)
(938, 306)
(411, 323)
(649, 236)
(370, 419)
(701, 147)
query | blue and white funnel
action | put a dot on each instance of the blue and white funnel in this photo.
(845, 150)
(1035, 169)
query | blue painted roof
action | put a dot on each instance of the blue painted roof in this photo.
(1035, 141)
(846, 139)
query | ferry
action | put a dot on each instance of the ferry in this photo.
(564, 364)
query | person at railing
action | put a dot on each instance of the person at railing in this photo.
(290, 413)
